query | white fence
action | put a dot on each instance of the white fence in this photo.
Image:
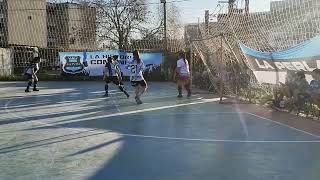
(6, 68)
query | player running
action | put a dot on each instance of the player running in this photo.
(136, 67)
(31, 74)
(112, 73)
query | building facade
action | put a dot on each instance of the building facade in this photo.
(71, 26)
(23, 23)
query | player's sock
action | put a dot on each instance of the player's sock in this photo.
(180, 92)
(35, 86)
(126, 93)
(28, 87)
(188, 89)
(106, 88)
(122, 89)
(138, 101)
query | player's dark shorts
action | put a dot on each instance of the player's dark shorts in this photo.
(142, 83)
(114, 79)
(28, 76)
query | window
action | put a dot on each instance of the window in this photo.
(72, 40)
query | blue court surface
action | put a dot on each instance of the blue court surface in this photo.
(68, 130)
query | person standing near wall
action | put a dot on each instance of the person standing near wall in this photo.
(183, 75)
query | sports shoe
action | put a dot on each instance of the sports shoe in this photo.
(138, 100)
(35, 89)
(106, 95)
(179, 96)
(27, 90)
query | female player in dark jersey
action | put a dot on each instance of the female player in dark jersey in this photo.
(31, 74)
(112, 73)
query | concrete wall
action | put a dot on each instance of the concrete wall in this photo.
(71, 26)
(27, 22)
(82, 27)
(6, 68)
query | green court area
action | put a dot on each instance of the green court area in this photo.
(68, 130)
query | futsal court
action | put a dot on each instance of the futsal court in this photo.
(68, 130)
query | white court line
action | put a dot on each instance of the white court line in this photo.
(78, 102)
(215, 140)
(168, 138)
(176, 138)
(282, 124)
(39, 95)
(144, 110)
(190, 113)
(74, 102)
(7, 107)
(58, 104)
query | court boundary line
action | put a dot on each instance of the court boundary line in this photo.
(6, 107)
(214, 140)
(188, 139)
(282, 124)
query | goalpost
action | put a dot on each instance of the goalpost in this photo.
(285, 24)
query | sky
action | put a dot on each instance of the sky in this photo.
(191, 10)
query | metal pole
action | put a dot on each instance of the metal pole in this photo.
(221, 69)
(165, 22)
(206, 17)
(246, 7)
(230, 8)
(165, 25)
(191, 65)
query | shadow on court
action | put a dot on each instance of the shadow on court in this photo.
(153, 158)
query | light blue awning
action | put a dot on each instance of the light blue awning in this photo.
(307, 49)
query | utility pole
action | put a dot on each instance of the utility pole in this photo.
(165, 22)
(206, 21)
(246, 9)
(231, 3)
(221, 69)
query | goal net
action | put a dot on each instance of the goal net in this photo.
(235, 43)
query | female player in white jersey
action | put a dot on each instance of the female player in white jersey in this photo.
(112, 73)
(183, 75)
(136, 67)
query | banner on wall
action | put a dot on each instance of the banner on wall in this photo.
(93, 63)
(272, 67)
